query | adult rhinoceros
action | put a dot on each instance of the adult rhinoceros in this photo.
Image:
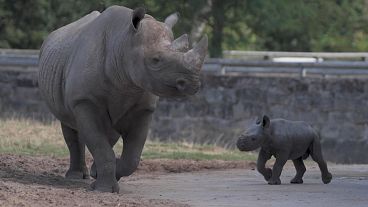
(101, 76)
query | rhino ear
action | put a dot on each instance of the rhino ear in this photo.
(265, 122)
(137, 16)
(171, 20)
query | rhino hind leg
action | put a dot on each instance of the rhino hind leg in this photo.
(77, 168)
(316, 154)
(300, 170)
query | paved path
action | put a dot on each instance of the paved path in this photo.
(349, 187)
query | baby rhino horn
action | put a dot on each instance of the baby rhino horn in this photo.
(194, 58)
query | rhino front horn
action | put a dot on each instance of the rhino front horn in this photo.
(194, 58)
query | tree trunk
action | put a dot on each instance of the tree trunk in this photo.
(218, 26)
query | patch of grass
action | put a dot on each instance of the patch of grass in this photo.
(30, 137)
(44, 149)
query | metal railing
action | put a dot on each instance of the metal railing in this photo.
(269, 55)
(252, 65)
(18, 58)
(324, 69)
(19, 52)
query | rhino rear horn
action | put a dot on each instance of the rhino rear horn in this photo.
(137, 16)
(180, 44)
(194, 58)
(171, 20)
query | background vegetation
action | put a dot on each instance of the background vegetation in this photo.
(31, 137)
(283, 25)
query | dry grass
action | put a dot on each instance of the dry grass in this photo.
(25, 136)
(30, 137)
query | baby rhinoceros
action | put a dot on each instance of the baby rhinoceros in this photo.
(285, 140)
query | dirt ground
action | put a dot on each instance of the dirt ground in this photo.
(39, 181)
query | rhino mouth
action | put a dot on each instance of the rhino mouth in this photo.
(177, 84)
(180, 91)
(246, 144)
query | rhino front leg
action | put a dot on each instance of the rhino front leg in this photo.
(93, 129)
(133, 145)
(77, 168)
(113, 139)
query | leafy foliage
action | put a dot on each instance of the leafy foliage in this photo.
(299, 25)
(285, 25)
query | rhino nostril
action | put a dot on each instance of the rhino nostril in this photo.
(181, 84)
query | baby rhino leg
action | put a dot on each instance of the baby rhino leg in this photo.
(316, 154)
(300, 170)
(263, 157)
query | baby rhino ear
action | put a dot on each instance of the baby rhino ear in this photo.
(265, 122)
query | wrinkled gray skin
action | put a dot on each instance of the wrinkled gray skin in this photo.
(285, 140)
(101, 76)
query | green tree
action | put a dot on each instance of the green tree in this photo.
(301, 25)
(23, 23)
(285, 25)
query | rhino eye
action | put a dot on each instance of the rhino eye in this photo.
(155, 60)
(155, 63)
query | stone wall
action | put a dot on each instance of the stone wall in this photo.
(337, 109)
(19, 95)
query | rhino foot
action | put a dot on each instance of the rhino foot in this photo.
(93, 170)
(327, 178)
(77, 174)
(273, 181)
(296, 180)
(105, 187)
